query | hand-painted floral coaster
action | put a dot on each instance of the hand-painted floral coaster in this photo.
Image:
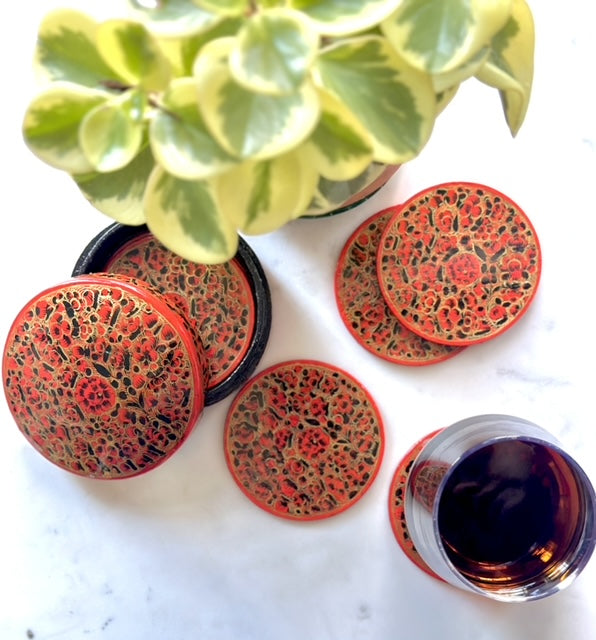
(397, 494)
(362, 306)
(227, 305)
(304, 440)
(103, 377)
(459, 263)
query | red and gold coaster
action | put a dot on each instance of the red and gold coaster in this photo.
(216, 298)
(459, 263)
(103, 377)
(362, 306)
(397, 495)
(304, 440)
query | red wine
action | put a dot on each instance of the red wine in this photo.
(510, 513)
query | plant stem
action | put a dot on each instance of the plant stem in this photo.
(116, 85)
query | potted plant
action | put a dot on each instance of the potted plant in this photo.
(203, 118)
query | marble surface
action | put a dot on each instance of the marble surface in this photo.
(180, 552)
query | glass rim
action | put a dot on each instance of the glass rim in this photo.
(585, 545)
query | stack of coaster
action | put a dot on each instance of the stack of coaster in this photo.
(453, 266)
(107, 374)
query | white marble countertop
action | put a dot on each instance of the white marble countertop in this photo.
(180, 552)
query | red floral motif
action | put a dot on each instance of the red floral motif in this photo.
(363, 308)
(464, 269)
(314, 466)
(516, 266)
(216, 299)
(109, 401)
(312, 443)
(95, 395)
(482, 244)
(445, 219)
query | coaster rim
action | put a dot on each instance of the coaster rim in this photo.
(342, 310)
(396, 517)
(396, 309)
(158, 304)
(104, 246)
(307, 362)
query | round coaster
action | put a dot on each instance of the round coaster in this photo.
(362, 306)
(102, 377)
(459, 263)
(304, 440)
(227, 305)
(397, 494)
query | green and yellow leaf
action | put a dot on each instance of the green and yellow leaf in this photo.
(66, 50)
(173, 18)
(134, 53)
(445, 97)
(111, 133)
(225, 7)
(182, 51)
(259, 197)
(179, 138)
(214, 53)
(449, 79)
(274, 51)
(339, 146)
(343, 17)
(439, 36)
(184, 215)
(119, 194)
(254, 125)
(510, 67)
(51, 125)
(393, 101)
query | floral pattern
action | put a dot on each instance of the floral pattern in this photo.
(303, 440)
(459, 263)
(216, 299)
(397, 494)
(102, 377)
(364, 310)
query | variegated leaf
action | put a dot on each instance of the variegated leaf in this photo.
(51, 125)
(453, 78)
(215, 53)
(445, 97)
(134, 53)
(66, 50)
(395, 102)
(439, 36)
(179, 138)
(254, 125)
(262, 196)
(225, 7)
(182, 51)
(510, 67)
(111, 134)
(184, 215)
(342, 17)
(119, 194)
(274, 51)
(173, 17)
(339, 145)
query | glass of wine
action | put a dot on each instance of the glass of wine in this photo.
(495, 506)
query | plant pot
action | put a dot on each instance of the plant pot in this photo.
(337, 197)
